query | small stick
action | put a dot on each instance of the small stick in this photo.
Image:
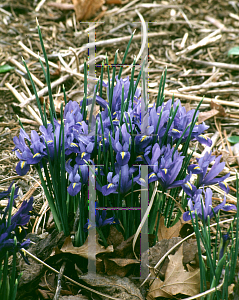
(22, 68)
(213, 64)
(38, 219)
(212, 37)
(21, 100)
(228, 144)
(61, 6)
(49, 62)
(222, 91)
(218, 126)
(66, 277)
(195, 98)
(215, 22)
(29, 122)
(60, 274)
(207, 86)
(39, 5)
(121, 39)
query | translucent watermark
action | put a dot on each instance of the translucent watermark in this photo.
(144, 201)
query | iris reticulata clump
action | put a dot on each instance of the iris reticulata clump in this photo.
(116, 148)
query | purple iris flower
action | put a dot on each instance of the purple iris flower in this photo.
(209, 178)
(143, 140)
(74, 177)
(72, 113)
(195, 204)
(100, 142)
(100, 219)
(85, 153)
(154, 118)
(122, 149)
(28, 157)
(20, 143)
(22, 167)
(71, 146)
(7, 233)
(165, 168)
(125, 182)
(48, 137)
(7, 193)
(22, 216)
(181, 121)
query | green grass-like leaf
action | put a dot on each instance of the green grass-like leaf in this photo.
(233, 51)
(6, 68)
(233, 139)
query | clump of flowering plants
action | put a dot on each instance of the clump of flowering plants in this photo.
(112, 146)
(12, 235)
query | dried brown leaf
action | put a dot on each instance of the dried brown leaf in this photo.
(203, 116)
(87, 250)
(122, 262)
(115, 237)
(218, 107)
(177, 279)
(85, 9)
(168, 233)
(119, 266)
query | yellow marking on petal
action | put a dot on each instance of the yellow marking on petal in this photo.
(141, 179)
(74, 145)
(83, 154)
(23, 164)
(74, 184)
(196, 123)
(197, 167)
(152, 175)
(79, 123)
(203, 136)
(150, 105)
(114, 113)
(189, 185)
(226, 185)
(89, 226)
(175, 130)
(122, 154)
(115, 120)
(20, 229)
(109, 185)
(37, 154)
(143, 138)
(51, 141)
(165, 171)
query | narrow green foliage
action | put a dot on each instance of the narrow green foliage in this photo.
(125, 55)
(48, 80)
(44, 121)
